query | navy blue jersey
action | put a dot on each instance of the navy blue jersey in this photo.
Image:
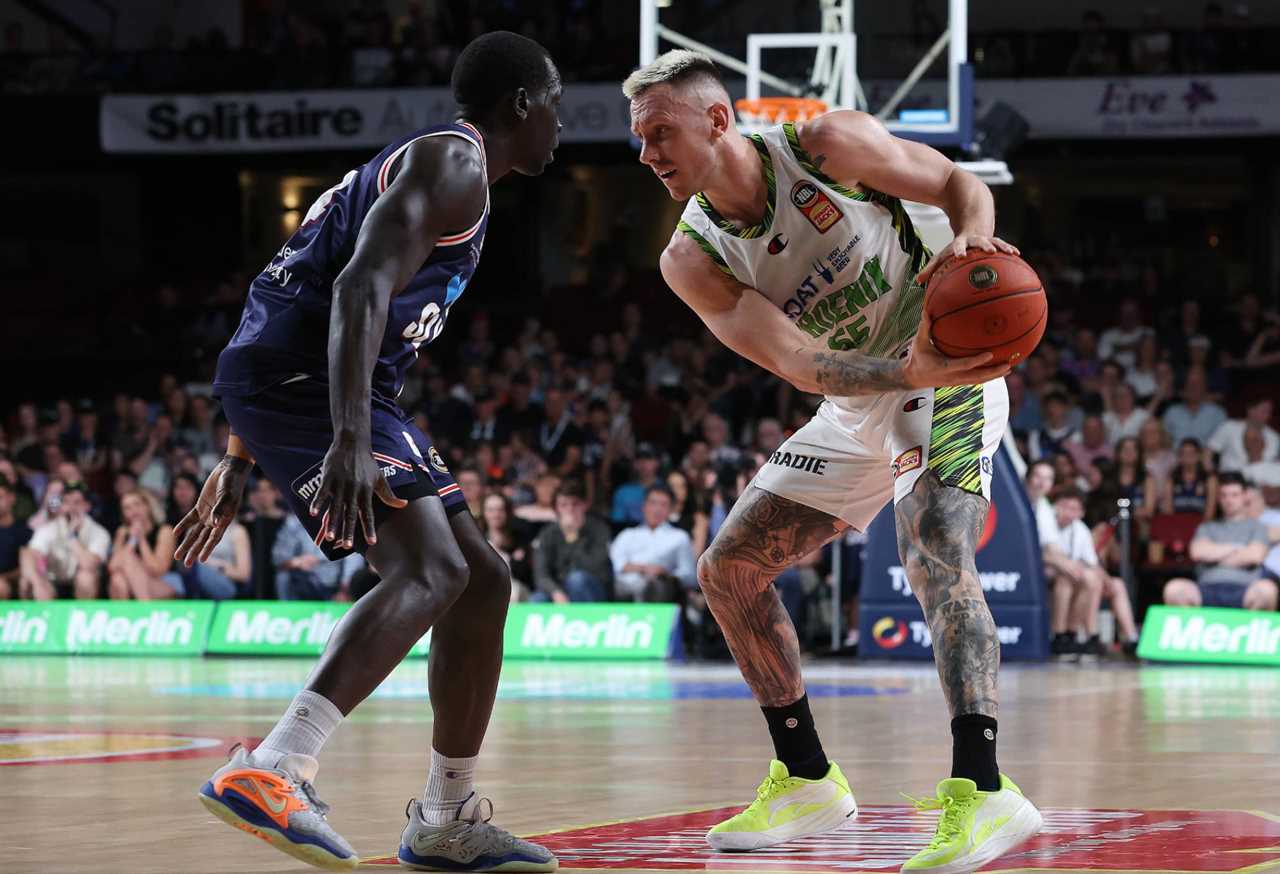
(284, 330)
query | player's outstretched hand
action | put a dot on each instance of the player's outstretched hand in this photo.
(959, 246)
(348, 481)
(201, 529)
(926, 367)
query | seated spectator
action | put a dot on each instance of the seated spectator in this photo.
(1154, 441)
(1195, 415)
(1191, 487)
(1133, 481)
(142, 555)
(1229, 554)
(183, 491)
(472, 483)
(1024, 405)
(654, 560)
(1090, 444)
(1122, 341)
(1142, 376)
(303, 572)
(715, 430)
(1056, 427)
(263, 517)
(67, 551)
(1256, 508)
(1094, 56)
(629, 498)
(1151, 47)
(1079, 583)
(571, 555)
(501, 534)
(688, 512)
(1123, 416)
(1256, 468)
(1084, 364)
(14, 535)
(224, 574)
(1228, 439)
(25, 503)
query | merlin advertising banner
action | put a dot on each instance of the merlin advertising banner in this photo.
(105, 627)
(1210, 634)
(1009, 568)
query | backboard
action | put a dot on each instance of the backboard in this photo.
(905, 67)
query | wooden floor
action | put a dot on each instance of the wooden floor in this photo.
(574, 745)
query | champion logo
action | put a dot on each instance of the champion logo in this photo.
(792, 722)
(912, 405)
(778, 243)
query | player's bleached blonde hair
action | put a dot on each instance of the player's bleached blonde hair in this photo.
(671, 67)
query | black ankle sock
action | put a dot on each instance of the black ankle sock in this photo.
(973, 750)
(795, 740)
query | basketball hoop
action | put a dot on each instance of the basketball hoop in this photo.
(775, 110)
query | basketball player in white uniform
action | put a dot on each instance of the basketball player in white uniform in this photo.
(796, 252)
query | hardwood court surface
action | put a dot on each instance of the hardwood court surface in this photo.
(100, 760)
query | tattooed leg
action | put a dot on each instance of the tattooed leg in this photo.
(938, 530)
(762, 536)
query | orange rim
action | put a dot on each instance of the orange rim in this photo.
(779, 109)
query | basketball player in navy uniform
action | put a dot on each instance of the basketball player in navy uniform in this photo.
(309, 385)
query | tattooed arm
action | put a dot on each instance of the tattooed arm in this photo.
(749, 324)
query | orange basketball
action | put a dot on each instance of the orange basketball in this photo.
(986, 302)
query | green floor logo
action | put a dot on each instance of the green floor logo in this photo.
(1211, 634)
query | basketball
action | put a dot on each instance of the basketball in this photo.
(986, 302)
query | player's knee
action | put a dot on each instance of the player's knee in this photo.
(448, 577)
(714, 573)
(490, 581)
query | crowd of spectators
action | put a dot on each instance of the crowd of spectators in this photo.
(600, 466)
(296, 45)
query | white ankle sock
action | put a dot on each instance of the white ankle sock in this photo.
(304, 728)
(449, 783)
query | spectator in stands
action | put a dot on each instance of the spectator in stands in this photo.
(1122, 341)
(1084, 363)
(559, 440)
(769, 435)
(1229, 553)
(1094, 55)
(1264, 350)
(543, 509)
(1080, 583)
(688, 512)
(66, 551)
(571, 556)
(1142, 375)
(654, 560)
(501, 534)
(1123, 417)
(484, 425)
(142, 554)
(226, 573)
(519, 413)
(1195, 416)
(715, 430)
(1151, 47)
(1154, 441)
(303, 573)
(84, 444)
(25, 503)
(197, 432)
(1133, 480)
(1191, 486)
(14, 535)
(629, 499)
(1269, 517)
(1209, 49)
(183, 491)
(472, 483)
(1024, 405)
(1228, 439)
(1090, 444)
(1257, 469)
(1057, 429)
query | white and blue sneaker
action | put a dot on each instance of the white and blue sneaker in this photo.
(469, 843)
(278, 805)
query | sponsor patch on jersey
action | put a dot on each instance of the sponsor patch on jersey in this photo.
(908, 460)
(778, 243)
(436, 461)
(815, 205)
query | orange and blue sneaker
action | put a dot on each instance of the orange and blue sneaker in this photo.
(278, 805)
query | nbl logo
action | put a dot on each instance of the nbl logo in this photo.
(889, 633)
(983, 276)
(803, 194)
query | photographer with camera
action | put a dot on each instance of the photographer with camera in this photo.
(67, 551)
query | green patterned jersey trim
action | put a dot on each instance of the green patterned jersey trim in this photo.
(955, 438)
(900, 325)
(793, 140)
(749, 233)
(706, 246)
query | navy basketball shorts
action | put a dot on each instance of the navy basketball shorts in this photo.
(288, 430)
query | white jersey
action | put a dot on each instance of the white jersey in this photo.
(840, 262)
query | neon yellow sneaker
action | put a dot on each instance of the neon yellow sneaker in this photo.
(975, 827)
(787, 808)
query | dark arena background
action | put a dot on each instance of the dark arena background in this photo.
(159, 153)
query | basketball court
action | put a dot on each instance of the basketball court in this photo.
(624, 766)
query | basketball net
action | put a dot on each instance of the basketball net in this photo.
(776, 110)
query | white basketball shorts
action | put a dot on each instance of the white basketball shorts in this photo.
(849, 464)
